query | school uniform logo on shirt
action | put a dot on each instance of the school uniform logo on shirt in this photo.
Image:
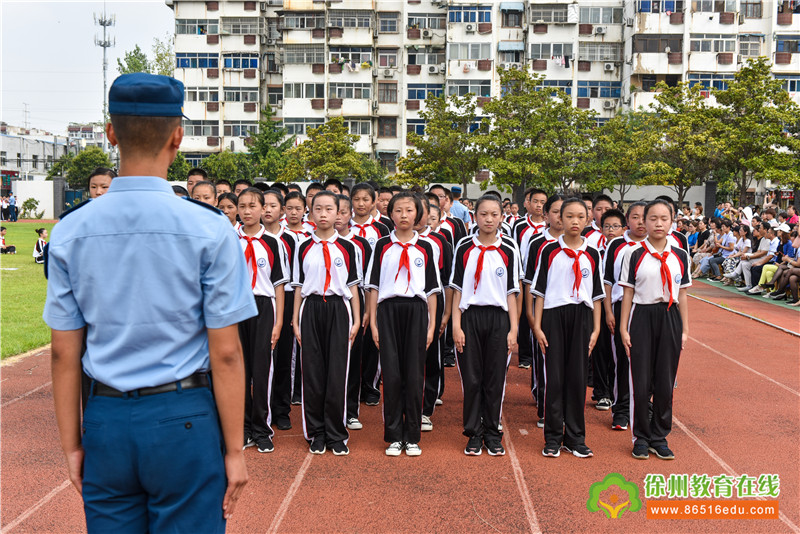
(677, 278)
(371, 241)
(262, 262)
(418, 262)
(585, 272)
(500, 272)
(338, 262)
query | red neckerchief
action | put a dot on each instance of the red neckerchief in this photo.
(250, 257)
(576, 268)
(666, 277)
(479, 267)
(404, 262)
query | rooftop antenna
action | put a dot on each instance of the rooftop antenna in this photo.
(105, 42)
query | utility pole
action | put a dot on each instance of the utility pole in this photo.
(105, 42)
(25, 115)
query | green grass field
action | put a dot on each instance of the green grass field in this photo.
(22, 292)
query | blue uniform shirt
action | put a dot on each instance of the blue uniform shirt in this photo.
(460, 211)
(146, 272)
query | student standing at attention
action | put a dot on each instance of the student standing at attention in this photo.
(176, 464)
(485, 280)
(654, 325)
(402, 279)
(567, 323)
(326, 320)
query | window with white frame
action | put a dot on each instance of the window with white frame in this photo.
(304, 90)
(241, 94)
(387, 92)
(750, 45)
(350, 90)
(540, 13)
(349, 19)
(358, 126)
(751, 9)
(303, 21)
(787, 43)
(196, 60)
(201, 128)
(420, 91)
(274, 95)
(464, 87)
(600, 51)
(239, 128)
(470, 14)
(387, 57)
(388, 22)
(202, 94)
(512, 19)
(196, 26)
(303, 54)
(471, 51)
(710, 42)
(791, 84)
(301, 125)
(240, 61)
(241, 25)
(416, 126)
(511, 56)
(350, 53)
(712, 6)
(659, 6)
(425, 55)
(601, 15)
(427, 21)
(550, 50)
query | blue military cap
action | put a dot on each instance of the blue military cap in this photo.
(456, 189)
(146, 95)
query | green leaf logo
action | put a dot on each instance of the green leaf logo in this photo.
(613, 496)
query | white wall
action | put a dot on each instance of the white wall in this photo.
(40, 190)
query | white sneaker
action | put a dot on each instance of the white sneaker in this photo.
(500, 427)
(756, 291)
(395, 449)
(426, 425)
(354, 424)
(412, 449)
(438, 402)
(744, 289)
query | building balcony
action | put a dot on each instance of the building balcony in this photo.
(657, 63)
(642, 99)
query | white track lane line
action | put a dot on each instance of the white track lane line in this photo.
(30, 511)
(524, 493)
(722, 463)
(737, 362)
(15, 399)
(287, 500)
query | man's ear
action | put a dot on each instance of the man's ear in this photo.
(110, 135)
(177, 138)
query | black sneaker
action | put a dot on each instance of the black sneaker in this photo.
(524, 365)
(474, 446)
(339, 448)
(640, 452)
(283, 424)
(540, 423)
(265, 445)
(495, 448)
(619, 424)
(603, 404)
(297, 401)
(782, 296)
(551, 451)
(663, 452)
(372, 401)
(449, 362)
(317, 446)
(580, 451)
(248, 442)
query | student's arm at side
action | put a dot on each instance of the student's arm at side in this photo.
(227, 368)
(528, 296)
(372, 307)
(597, 308)
(611, 322)
(458, 334)
(298, 301)
(513, 319)
(431, 320)
(624, 316)
(280, 302)
(683, 307)
(65, 366)
(448, 309)
(538, 305)
(354, 302)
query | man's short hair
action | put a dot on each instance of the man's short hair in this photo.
(197, 170)
(143, 135)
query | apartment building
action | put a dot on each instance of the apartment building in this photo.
(373, 62)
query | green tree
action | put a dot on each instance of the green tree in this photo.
(163, 61)
(327, 153)
(689, 144)
(61, 165)
(230, 166)
(621, 146)
(178, 169)
(756, 109)
(268, 147)
(447, 152)
(133, 61)
(83, 164)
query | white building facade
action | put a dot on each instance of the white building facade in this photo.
(373, 62)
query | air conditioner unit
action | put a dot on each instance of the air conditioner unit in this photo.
(263, 39)
(515, 66)
(609, 104)
(374, 73)
(442, 69)
(608, 67)
(388, 73)
(263, 6)
(375, 106)
(433, 69)
(270, 41)
(427, 34)
(600, 30)
(629, 21)
(470, 28)
(279, 105)
(739, 58)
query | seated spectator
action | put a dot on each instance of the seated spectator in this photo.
(692, 234)
(791, 211)
(38, 249)
(789, 266)
(697, 212)
(707, 249)
(725, 243)
(5, 249)
(771, 238)
(742, 247)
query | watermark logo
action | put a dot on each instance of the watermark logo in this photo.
(614, 496)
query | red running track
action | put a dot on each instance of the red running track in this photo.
(736, 411)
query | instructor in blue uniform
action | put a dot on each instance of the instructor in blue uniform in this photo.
(159, 285)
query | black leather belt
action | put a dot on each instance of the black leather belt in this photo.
(197, 380)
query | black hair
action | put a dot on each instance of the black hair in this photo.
(242, 181)
(611, 214)
(323, 194)
(102, 171)
(277, 193)
(280, 187)
(143, 136)
(409, 196)
(39, 231)
(434, 206)
(344, 198)
(294, 187)
(602, 198)
(334, 182)
(3, 228)
(424, 201)
(749, 234)
(295, 195)
(437, 186)
(261, 186)
(180, 190)
(228, 196)
(570, 201)
(253, 191)
(727, 222)
(672, 204)
(432, 197)
(314, 186)
(205, 184)
(364, 186)
(663, 202)
(382, 190)
(552, 199)
(634, 205)
(495, 194)
(449, 195)
(222, 182)
(534, 191)
(488, 197)
(396, 189)
(197, 171)
(345, 187)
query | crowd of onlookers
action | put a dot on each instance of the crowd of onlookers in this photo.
(8, 208)
(755, 250)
